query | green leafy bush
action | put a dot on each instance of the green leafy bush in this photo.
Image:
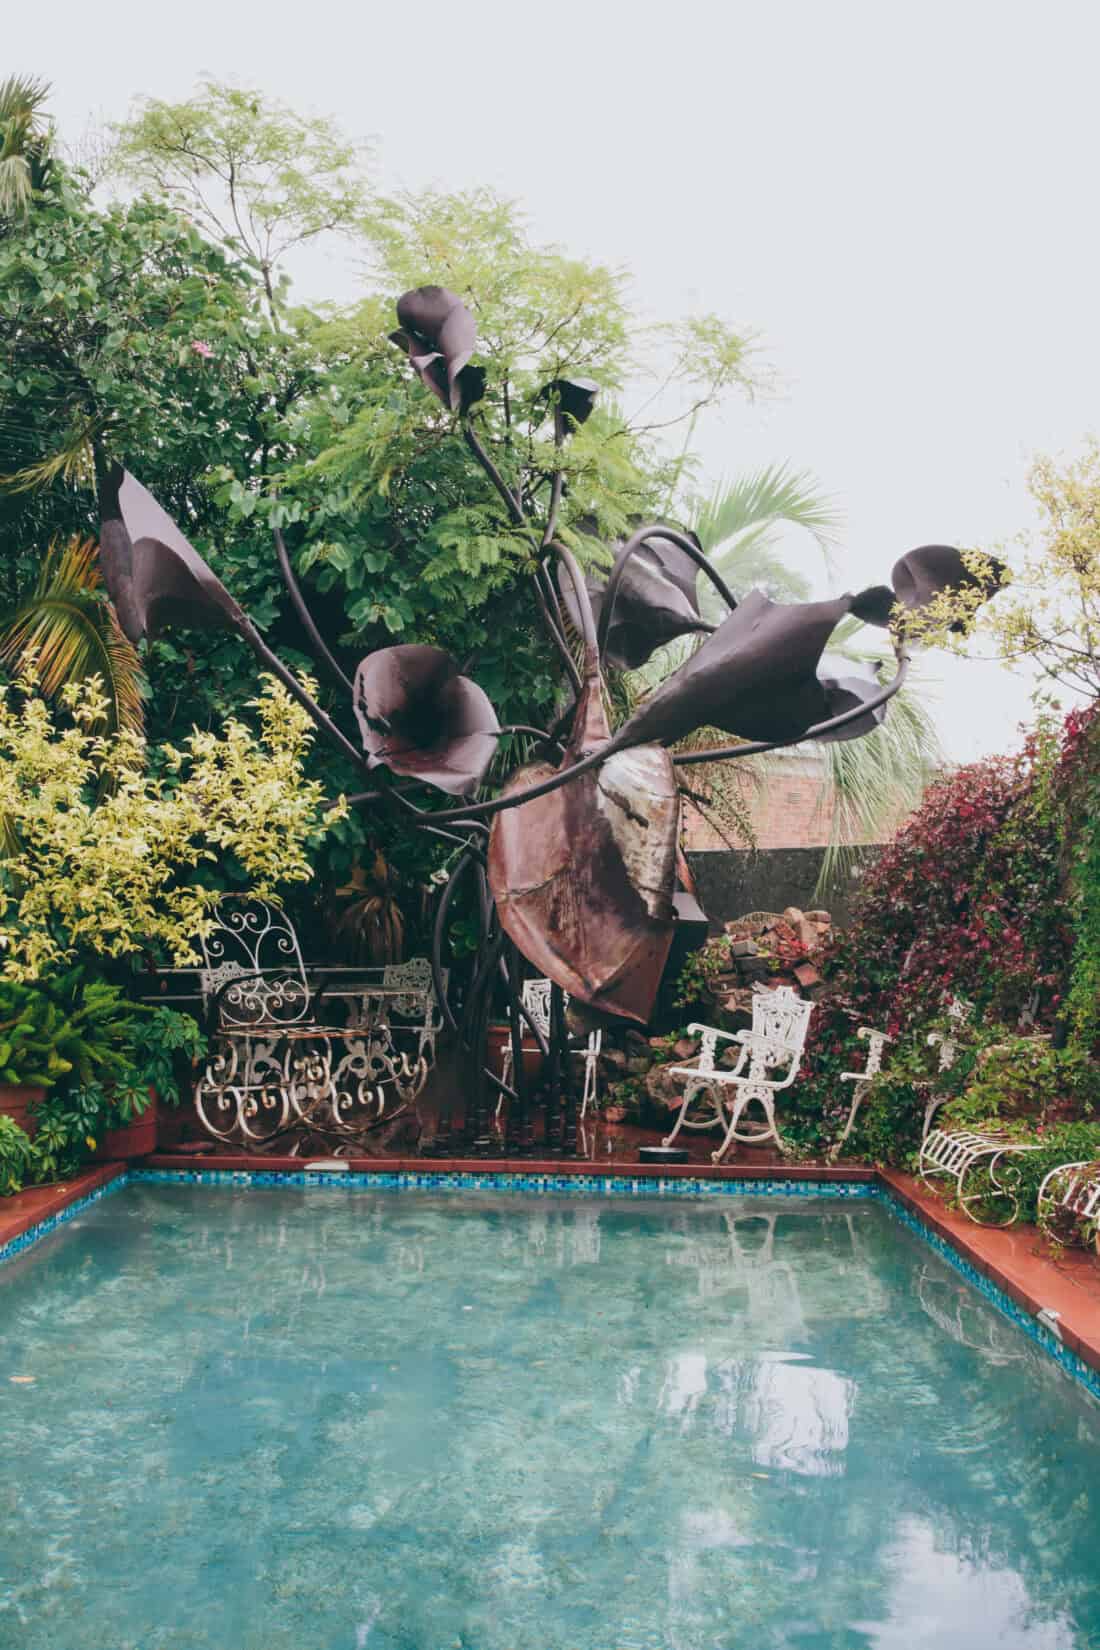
(97, 1054)
(17, 1156)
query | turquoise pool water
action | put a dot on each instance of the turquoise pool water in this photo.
(342, 1420)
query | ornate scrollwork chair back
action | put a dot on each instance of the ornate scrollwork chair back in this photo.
(253, 974)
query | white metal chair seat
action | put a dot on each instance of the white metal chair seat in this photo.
(1069, 1202)
(956, 1154)
(536, 1000)
(774, 1045)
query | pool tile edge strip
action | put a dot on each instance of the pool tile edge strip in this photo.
(950, 1246)
(1082, 1371)
(34, 1231)
(447, 1180)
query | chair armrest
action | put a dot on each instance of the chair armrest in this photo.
(696, 1029)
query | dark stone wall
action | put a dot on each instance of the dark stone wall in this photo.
(731, 884)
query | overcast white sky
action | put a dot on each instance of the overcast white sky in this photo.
(901, 198)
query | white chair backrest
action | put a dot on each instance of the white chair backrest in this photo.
(415, 977)
(781, 1017)
(253, 942)
(536, 1000)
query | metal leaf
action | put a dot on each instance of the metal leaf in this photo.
(583, 878)
(155, 577)
(420, 718)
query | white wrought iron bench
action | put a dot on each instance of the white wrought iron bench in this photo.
(769, 1060)
(1068, 1204)
(979, 1161)
(276, 1065)
(536, 1000)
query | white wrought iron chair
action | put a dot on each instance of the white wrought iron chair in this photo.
(770, 1056)
(418, 1003)
(1069, 1203)
(536, 1000)
(876, 1044)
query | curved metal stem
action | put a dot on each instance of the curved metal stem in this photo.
(294, 590)
(274, 664)
(633, 544)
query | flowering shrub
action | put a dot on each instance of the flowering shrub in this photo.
(100, 855)
(991, 892)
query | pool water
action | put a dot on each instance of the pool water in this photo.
(358, 1420)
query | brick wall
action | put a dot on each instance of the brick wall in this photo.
(786, 808)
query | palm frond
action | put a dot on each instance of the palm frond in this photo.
(21, 136)
(763, 498)
(74, 463)
(71, 634)
(22, 97)
(873, 782)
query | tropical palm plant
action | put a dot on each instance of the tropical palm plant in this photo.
(23, 135)
(871, 783)
(68, 632)
(739, 527)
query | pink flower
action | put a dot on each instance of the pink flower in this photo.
(201, 348)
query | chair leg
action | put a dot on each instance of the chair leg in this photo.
(857, 1100)
(690, 1092)
(737, 1107)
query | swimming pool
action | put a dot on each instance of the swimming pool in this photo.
(276, 1419)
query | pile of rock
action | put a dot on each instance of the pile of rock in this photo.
(770, 950)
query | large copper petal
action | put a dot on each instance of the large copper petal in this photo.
(583, 878)
(154, 576)
(928, 571)
(420, 718)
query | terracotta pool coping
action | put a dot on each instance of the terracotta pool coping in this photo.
(1011, 1260)
(30, 1208)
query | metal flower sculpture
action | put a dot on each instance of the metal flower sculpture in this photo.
(577, 877)
(155, 578)
(656, 602)
(933, 569)
(439, 335)
(420, 718)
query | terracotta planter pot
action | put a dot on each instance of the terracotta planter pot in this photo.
(15, 1101)
(136, 1139)
(500, 1038)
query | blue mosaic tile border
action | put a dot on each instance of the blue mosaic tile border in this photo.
(589, 1185)
(34, 1234)
(1035, 1331)
(541, 1184)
